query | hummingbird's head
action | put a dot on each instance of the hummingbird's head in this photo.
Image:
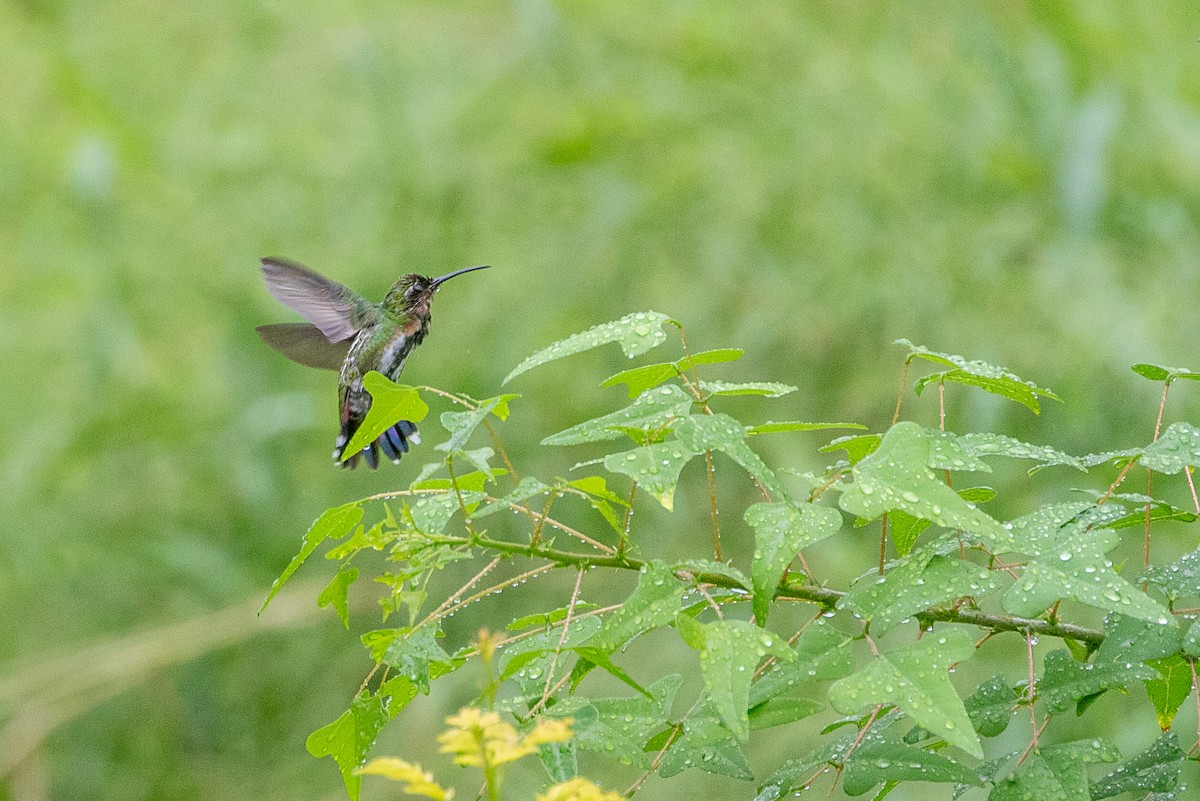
(411, 293)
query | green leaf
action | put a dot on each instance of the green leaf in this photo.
(1155, 770)
(640, 379)
(430, 512)
(914, 679)
(411, 653)
(897, 476)
(893, 762)
(335, 593)
(561, 760)
(462, 425)
(720, 432)
(654, 467)
(1179, 579)
(349, 738)
(856, 448)
(1172, 687)
(781, 711)
(699, 567)
(706, 743)
(595, 657)
(1178, 447)
(654, 603)
(795, 425)
(1156, 372)
(991, 706)
(620, 727)
(1191, 640)
(782, 530)
(788, 776)
(821, 654)
(336, 522)
(522, 659)
(390, 403)
(1128, 639)
(1056, 772)
(982, 444)
(1066, 681)
(636, 333)
(987, 377)
(768, 388)
(905, 528)
(526, 488)
(1069, 563)
(914, 584)
(655, 409)
(729, 652)
(544, 619)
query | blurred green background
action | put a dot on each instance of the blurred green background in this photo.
(807, 181)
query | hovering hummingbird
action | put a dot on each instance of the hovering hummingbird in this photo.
(348, 333)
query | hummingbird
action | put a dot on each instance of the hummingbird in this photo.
(350, 334)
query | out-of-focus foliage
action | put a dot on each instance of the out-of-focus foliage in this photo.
(807, 181)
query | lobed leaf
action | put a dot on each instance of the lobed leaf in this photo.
(390, 403)
(914, 679)
(782, 530)
(462, 425)
(991, 706)
(636, 333)
(877, 763)
(655, 468)
(1157, 372)
(1056, 772)
(349, 738)
(720, 432)
(655, 409)
(767, 388)
(1177, 448)
(1065, 681)
(336, 522)
(1155, 770)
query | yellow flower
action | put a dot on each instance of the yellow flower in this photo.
(550, 731)
(579, 789)
(417, 782)
(477, 738)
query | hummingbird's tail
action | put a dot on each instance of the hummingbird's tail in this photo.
(394, 442)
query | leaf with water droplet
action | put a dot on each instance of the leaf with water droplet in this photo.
(654, 410)
(796, 425)
(413, 653)
(1129, 639)
(527, 488)
(349, 738)
(1069, 563)
(720, 432)
(654, 603)
(1065, 681)
(914, 678)
(729, 652)
(337, 522)
(821, 654)
(1178, 579)
(1157, 372)
(1170, 689)
(767, 388)
(390, 403)
(708, 744)
(1155, 770)
(782, 530)
(620, 727)
(857, 448)
(914, 584)
(335, 593)
(636, 333)
(1055, 772)
(781, 711)
(1178, 447)
(894, 762)
(991, 706)
(640, 379)
(654, 467)
(699, 567)
(462, 425)
(897, 476)
(972, 372)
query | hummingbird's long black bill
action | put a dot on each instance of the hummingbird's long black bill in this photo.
(439, 281)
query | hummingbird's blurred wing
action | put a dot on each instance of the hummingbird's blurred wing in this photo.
(337, 311)
(305, 344)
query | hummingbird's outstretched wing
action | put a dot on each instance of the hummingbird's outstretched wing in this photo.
(338, 312)
(305, 344)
